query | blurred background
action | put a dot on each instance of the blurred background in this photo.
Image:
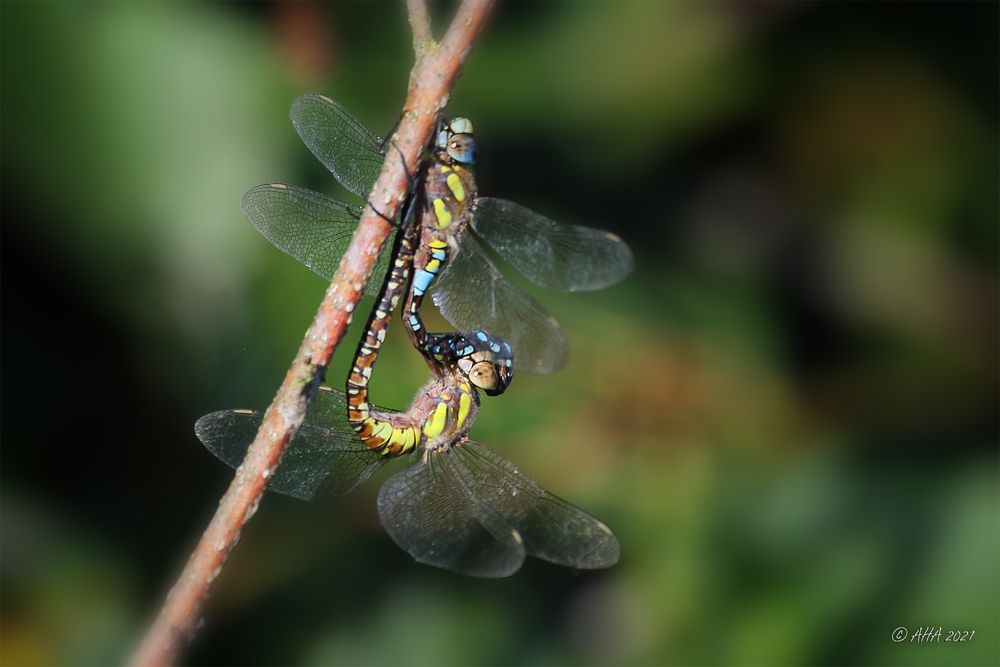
(788, 414)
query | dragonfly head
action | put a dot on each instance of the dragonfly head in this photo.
(487, 361)
(456, 138)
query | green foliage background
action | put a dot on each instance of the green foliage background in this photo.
(788, 414)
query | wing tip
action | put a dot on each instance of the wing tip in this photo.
(202, 425)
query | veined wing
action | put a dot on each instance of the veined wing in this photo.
(560, 257)
(473, 294)
(351, 151)
(429, 514)
(551, 528)
(309, 227)
(324, 459)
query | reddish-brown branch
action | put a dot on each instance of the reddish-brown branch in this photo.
(431, 82)
(420, 26)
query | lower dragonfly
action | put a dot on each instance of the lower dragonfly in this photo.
(465, 283)
(461, 506)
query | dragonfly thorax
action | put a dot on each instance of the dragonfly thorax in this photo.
(450, 190)
(445, 409)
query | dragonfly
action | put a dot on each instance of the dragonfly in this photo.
(460, 506)
(468, 288)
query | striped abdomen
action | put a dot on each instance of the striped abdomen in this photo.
(381, 434)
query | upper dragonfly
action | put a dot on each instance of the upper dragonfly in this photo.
(466, 285)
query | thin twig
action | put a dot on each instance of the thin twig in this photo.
(420, 26)
(431, 82)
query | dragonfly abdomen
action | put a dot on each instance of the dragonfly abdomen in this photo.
(387, 437)
(378, 433)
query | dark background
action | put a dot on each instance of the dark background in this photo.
(788, 414)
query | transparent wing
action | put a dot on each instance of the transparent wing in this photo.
(323, 460)
(309, 227)
(556, 256)
(351, 151)
(428, 513)
(552, 529)
(473, 294)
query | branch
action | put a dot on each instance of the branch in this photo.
(420, 26)
(431, 81)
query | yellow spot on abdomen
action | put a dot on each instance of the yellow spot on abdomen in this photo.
(381, 431)
(455, 185)
(403, 439)
(434, 425)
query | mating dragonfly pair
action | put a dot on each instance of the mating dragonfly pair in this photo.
(460, 506)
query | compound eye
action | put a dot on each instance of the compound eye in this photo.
(484, 376)
(460, 125)
(462, 148)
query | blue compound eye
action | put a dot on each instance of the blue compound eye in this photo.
(462, 148)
